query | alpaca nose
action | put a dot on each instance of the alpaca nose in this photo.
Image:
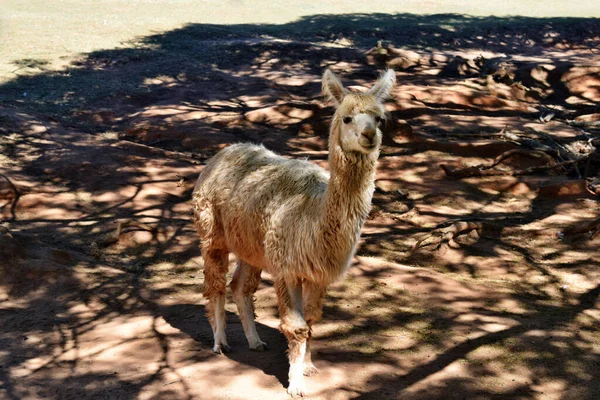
(369, 133)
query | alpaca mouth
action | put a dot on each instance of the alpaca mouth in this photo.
(367, 144)
(370, 146)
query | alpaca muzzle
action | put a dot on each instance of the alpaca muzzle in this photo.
(367, 138)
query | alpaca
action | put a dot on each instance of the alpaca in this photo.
(290, 218)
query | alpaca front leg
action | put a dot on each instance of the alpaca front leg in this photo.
(221, 345)
(215, 269)
(309, 367)
(295, 329)
(296, 354)
(245, 281)
(313, 309)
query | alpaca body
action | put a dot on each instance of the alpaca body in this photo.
(290, 218)
(268, 228)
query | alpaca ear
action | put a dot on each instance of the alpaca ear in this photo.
(381, 90)
(333, 88)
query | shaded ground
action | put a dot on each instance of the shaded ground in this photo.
(510, 311)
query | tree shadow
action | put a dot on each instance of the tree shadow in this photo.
(73, 174)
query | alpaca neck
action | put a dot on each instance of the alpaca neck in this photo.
(351, 184)
(347, 204)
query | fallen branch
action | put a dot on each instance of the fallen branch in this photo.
(530, 143)
(527, 153)
(531, 170)
(15, 200)
(447, 235)
(156, 151)
(593, 186)
(583, 124)
(185, 178)
(459, 173)
(592, 228)
(467, 172)
(564, 152)
(114, 237)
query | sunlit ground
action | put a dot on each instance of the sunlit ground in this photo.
(42, 35)
(116, 139)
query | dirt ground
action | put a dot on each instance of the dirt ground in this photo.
(507, 307)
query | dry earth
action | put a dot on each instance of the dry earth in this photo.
(509, 310)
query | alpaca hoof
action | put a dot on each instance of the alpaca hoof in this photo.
(296, 390)
(310, 369)
(261, 346)
(221, 348)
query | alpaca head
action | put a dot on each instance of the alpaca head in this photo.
(355, 124)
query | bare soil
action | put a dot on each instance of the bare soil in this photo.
(506, 307)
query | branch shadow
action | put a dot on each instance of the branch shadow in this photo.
(191, 320)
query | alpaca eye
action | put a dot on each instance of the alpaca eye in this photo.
(378, 119)
(347, 120)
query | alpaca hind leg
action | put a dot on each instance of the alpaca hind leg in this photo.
(312, 300)
(295, 329)
(245, 281)
(215, 269)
